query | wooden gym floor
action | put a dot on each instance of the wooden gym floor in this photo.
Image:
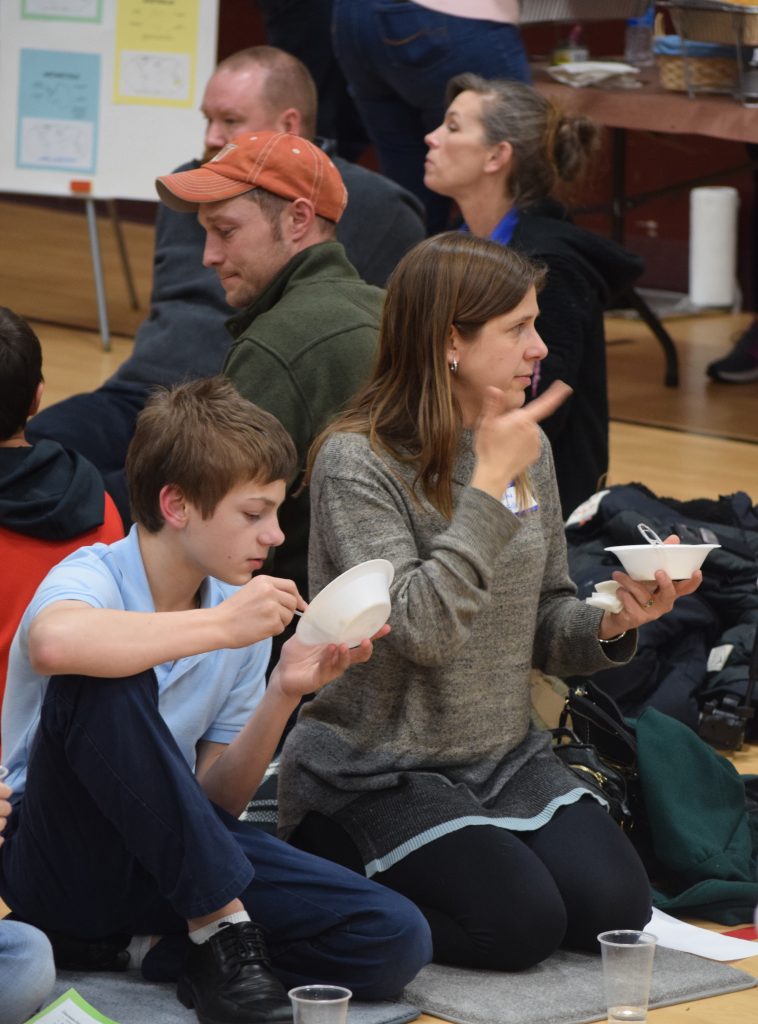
(697, 440)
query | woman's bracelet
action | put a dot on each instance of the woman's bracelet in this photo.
(612, 639)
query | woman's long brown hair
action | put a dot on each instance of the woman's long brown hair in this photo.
(407, 409)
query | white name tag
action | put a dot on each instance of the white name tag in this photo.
(511, 502)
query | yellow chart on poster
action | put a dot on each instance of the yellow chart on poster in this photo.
(156, 45)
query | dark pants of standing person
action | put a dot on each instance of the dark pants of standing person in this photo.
(304, 29)
(504, 901)
(398, 58)
(114, 836)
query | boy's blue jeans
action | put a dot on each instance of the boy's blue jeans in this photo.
(113, 835)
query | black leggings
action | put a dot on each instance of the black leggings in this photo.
(500, 900)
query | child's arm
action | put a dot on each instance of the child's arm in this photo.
(231, 774)
(72, 637)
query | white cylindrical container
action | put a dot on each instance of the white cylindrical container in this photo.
(713, 245)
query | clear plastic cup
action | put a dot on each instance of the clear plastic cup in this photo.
(627, 973)
(319, 1004)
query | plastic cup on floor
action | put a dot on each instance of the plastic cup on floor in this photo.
(319, 1004)
(627, 971)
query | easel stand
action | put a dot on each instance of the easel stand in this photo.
(97, 263)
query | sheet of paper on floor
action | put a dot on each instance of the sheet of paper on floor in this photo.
(689, 938)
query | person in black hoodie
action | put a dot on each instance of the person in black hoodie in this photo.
(499, 153)
(52, 500)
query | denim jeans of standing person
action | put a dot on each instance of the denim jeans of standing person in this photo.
(303, 28)
(27, 971)
(398, 58)
(139, 849)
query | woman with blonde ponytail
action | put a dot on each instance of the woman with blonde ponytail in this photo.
(500, 152)
(421, 768)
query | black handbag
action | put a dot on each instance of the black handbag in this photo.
(585, 762)
(597, 721)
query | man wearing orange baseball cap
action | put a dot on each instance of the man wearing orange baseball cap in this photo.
(305, 337)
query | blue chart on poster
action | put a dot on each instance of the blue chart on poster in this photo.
(58, 110)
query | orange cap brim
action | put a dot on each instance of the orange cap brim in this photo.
(186, 190)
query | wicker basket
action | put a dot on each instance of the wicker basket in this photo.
(707, 74)
(717, 26)
(580, 10)
(710, 68)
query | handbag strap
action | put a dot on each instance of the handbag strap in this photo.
(562, 733)
(596, 719)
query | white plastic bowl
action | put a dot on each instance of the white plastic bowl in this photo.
(642, 561)
(350, 608)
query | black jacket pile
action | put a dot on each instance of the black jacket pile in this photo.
(670, 669)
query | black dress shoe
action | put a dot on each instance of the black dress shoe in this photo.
(228, 979)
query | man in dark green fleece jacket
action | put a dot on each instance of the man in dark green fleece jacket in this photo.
(305, 339)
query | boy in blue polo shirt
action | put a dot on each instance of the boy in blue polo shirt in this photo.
(137, 725)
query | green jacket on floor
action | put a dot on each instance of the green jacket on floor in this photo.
(702, 834)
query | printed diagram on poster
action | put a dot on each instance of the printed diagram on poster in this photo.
(58, 110)
(155, 48)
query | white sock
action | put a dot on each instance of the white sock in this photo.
(203, 934)
(137, 949)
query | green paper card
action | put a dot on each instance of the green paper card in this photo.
(70, 1008)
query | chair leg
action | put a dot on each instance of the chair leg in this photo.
(636, 302)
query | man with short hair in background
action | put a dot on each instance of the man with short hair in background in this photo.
(305, 336)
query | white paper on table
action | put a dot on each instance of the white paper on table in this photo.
(689, 938)
(592, 72)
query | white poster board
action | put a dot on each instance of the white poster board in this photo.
(98, 97)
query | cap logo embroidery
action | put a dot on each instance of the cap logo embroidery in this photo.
(223, 152)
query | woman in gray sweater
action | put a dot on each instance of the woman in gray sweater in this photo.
(422, 768)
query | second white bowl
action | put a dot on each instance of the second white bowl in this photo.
(642, 561)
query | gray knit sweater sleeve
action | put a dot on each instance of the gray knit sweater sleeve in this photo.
(565, 636)
(364, 509)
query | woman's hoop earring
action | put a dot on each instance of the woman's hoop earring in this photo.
(453, 364)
